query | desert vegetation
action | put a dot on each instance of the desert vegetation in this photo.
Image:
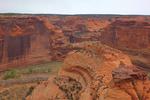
(46, 68)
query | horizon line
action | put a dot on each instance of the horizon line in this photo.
(7, 13)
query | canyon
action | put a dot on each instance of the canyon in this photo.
(31, 39)
(75, 57)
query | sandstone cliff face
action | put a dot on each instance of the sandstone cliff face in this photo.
(95, 72)
(127, 34)
(34, 39)
(22, 39)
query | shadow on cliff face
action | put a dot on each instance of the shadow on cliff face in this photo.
(1, 49)
(145, 66)
(18, 47)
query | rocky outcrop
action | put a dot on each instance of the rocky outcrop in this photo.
(19, 92)
(95, 72)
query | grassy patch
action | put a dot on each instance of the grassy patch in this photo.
(49, 68)
(10, 74)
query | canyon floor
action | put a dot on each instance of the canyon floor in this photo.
(22, 80)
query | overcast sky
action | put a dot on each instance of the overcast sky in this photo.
(76, 6)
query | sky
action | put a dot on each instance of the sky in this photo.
(125, 7)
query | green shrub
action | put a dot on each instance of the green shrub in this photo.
(10, 74)
(30, 71)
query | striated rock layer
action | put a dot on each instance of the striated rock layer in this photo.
(95, 72)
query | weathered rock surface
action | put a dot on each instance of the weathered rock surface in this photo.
(95, 72)
(19, 92)
(127, 33)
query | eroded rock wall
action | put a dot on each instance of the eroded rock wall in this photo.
(127, 34)
(23, 40)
